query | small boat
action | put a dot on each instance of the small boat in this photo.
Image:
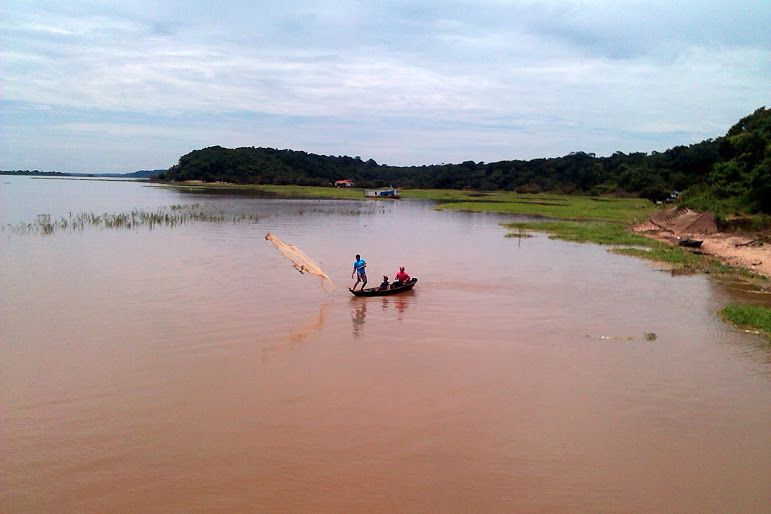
(376, 291)
(382, 193)
(690, 243)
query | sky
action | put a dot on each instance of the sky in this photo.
(89, 86)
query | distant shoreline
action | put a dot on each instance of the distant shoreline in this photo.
(62, 174)
(116, 178)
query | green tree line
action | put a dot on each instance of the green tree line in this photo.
(732, 171)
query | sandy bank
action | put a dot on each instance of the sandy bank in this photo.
(734, 249)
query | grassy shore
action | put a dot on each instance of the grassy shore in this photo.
(309, 192)
(749, 317)
(563, 207)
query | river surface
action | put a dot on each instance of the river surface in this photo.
(190, 368)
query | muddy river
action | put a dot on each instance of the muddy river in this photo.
(189, 367)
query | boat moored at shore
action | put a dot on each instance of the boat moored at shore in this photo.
(389, 193)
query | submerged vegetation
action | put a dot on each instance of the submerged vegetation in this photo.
(170, 216)
(162, 216)
(749, 317)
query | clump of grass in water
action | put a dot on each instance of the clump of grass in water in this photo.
(755, 317)
(170, 216)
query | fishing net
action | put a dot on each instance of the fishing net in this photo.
(301, 262)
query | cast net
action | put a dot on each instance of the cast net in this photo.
(301, 262)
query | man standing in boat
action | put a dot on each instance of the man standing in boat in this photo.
(360, 272)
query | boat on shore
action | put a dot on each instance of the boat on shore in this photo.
(376, 291)
(689, 242)
(389, 193)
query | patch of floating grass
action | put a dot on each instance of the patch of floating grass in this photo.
(754, 317)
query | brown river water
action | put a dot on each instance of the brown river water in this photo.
(190, 368)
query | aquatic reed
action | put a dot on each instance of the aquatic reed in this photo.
(170, 216)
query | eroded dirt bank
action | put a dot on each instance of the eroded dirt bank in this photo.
(675, 224)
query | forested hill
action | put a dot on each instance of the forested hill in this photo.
(733, 169)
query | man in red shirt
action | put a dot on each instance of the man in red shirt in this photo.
(402, 277)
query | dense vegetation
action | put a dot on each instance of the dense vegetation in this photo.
(733, 171)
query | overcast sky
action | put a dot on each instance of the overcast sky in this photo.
(120, 86)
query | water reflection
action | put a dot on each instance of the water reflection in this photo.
(396, 303)
(400, 302)
(358, 315)
(295, 340)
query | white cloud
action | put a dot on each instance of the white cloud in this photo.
(494, 80)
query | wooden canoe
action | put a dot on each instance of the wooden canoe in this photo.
(376, 291)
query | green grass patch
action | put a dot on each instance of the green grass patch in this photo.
(756, 317)
(315, 192)
(660, 252)
(271, 191)
(563, 207)
(600, 232)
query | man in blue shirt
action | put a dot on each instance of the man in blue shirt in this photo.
(359, 269)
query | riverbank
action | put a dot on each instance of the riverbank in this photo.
(749, 251)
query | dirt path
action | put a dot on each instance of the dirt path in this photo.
(674, 224)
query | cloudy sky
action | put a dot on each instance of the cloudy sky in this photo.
(120, 86)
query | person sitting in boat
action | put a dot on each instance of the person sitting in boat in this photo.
(401, 277)
(384, 284)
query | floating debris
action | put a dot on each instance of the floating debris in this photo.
(647, 336)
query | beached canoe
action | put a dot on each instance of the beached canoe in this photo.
(689, 242)
(376, 291)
